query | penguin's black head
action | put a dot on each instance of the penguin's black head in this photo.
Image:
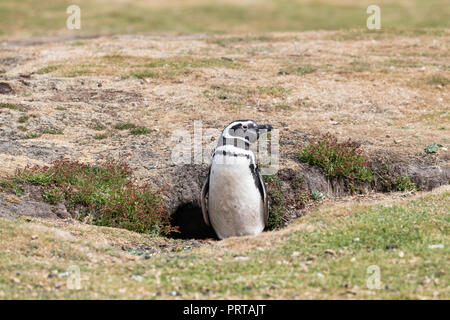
(246, 129)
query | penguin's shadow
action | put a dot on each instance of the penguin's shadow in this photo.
(189, 219)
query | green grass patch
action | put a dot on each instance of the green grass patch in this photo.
(299, 70)
(337, 159)
(100, 136)
(10, 106)
(326, 255)
(359, 66)
(104, 194)
(52, 131)
(276, 91)
(98, 126)
(32, 135)
(23, 119)
(139, 130)
(124, 126)
(217, 17)
(48, 69)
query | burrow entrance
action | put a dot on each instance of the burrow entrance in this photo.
(290, 190)
(189, 219)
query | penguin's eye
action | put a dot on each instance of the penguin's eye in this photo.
(244, 126)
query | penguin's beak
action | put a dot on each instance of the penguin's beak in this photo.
(267, 127)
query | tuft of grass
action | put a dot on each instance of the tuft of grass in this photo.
(10, 106)
(272, 91)
(344, 159)
(60, 108)
(51, 131)
(359, 66)
(282, 107)
(124, 126)
(105, 194)
(98, 126)
(23, 119)
(300, 70)
(32, 135)
(438, 80)
(100, 136)
(22, 128)
(47, 69)
(139, 130)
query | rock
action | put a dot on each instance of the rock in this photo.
(392, 246)
(241, 258)
(5, 88)
(15, 280)
(436, 246)
(136, 277)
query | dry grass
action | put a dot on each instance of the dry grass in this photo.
(317, 257)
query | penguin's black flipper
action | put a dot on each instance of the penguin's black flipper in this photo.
(205, 190)
(262, 190)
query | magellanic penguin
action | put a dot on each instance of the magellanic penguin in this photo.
(234, 200)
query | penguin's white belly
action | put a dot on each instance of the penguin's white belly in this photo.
(235, 204)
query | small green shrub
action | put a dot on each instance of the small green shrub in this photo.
(343, 159)
(404, 184)
(274, 187)
(105, 192)
(275, 217)
(53, 195)
(303, 197)
(433, 148)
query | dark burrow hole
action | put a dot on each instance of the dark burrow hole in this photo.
(189, 219)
